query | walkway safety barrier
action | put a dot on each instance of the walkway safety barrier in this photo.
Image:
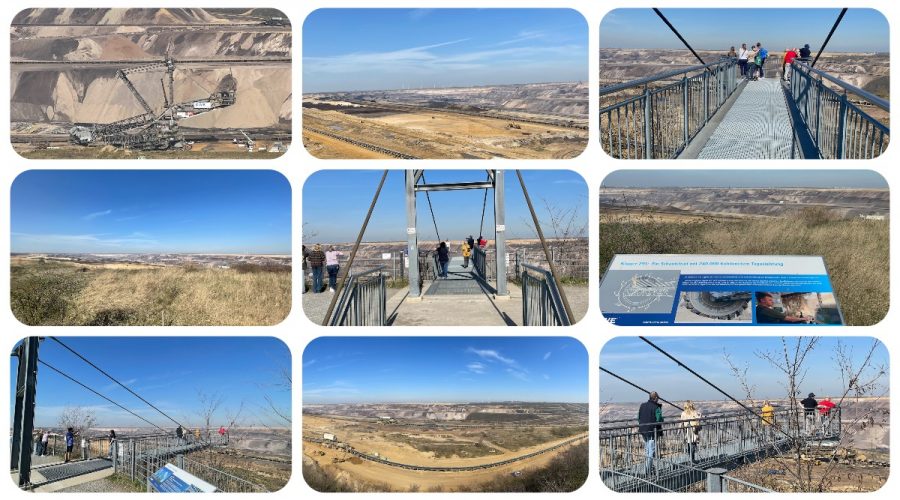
(479, 262)
(833, 113)
(682, 457)
(139, 458)
(363, 300)
(658, 116)
(541, 302)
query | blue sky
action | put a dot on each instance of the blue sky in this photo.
(368, 49)
(125, 211)
(862, 30)
(631, 358)
(746, 178)
(168, 372)
(335, 204)
(444, 369)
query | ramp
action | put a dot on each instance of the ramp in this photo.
(58, 472)
(758, 126)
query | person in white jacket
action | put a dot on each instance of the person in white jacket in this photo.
(690, 424)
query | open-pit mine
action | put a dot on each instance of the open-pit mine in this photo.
(150, 83)
(440, 446)
(527, 121)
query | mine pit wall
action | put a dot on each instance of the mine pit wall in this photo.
(97, 96)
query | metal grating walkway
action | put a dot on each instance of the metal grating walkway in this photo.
(72, 469)
(758, 126)
(460, 281)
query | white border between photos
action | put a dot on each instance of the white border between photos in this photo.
(593, 165)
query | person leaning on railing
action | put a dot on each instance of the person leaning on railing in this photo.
(767, 414)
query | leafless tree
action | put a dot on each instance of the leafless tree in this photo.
(80, 419)
(209, 404)
(565, 223)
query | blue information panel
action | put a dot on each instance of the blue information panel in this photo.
(652, 289)
(171, 479)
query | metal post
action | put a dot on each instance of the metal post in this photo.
(818, 105)
(26, 391)
(706, 97)
(648, 125)
(842, 127)
(114, 451)
(412, 243)
(179, 461)
(131, 447)
(684, 106)
(714, 482)
(500, 233)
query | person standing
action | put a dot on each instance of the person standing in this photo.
(482, 242)
(316, 259)
(825, 407)
(443, 258)
(471, 241)
(743, 54)
(112, 441)
(761, 54)
(179, 433)
(731, 53)
(805, 53)
(303, 269)
(36, 438)
(789, 56)
(650, 425)
(810, 405)
(333, 265)
(690, 423)
(70, 443)
(45, 441)
(466, 253)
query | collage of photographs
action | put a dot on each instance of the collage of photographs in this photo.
(155, 324)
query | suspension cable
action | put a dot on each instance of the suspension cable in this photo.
(665, 20)
(828, 38)
(537, 226)
(430, 209)
(632, 384)
(344, 274)
(57, 370)
(714, 386)
(151, 405)
(483, 207)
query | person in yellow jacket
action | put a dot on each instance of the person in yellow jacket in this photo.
(768, 418)
(466, 253)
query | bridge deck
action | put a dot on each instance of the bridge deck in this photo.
(61, 471)
(758, 125)
(460, 281)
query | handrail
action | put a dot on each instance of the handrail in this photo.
(874, 99)
(609, 89)
(350, 297)
(549, 298)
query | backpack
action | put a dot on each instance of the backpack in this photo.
(763, 53)
(757, 60)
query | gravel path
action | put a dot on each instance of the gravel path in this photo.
(99, 486)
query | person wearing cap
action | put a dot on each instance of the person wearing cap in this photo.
(809, 410)
(650, 426)
(805, 53)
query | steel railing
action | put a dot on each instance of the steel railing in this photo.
(658, 116)
(479, 262)
(541, 302)
(721, 437)
(222, 480)
(363, 301)
(832, 111)
(661, 475)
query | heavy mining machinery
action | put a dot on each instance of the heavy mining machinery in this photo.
(151, 130)
(717, 305)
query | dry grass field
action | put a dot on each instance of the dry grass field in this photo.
(58, 293)
(856, 251)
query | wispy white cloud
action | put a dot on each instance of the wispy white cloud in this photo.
(476, 367)
(335, 389)
(547, 355)
(94, 215)
(523, 36)
(519, 374)
(112, 385)
(84, 240)
(492, 355)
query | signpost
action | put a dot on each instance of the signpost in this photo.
(657, 289)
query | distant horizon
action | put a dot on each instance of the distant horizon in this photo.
(745, 179)
(725, 49)
(161, 252)
(461, 402)
(444, 87)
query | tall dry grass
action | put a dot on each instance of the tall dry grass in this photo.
(856, 251)
(101, 296)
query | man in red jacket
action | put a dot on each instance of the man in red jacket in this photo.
(789, 56)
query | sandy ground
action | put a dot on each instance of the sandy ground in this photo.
(324, 147)
(443, 135)
(355, 469)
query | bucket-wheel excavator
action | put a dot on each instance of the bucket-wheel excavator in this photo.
(153, 130)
